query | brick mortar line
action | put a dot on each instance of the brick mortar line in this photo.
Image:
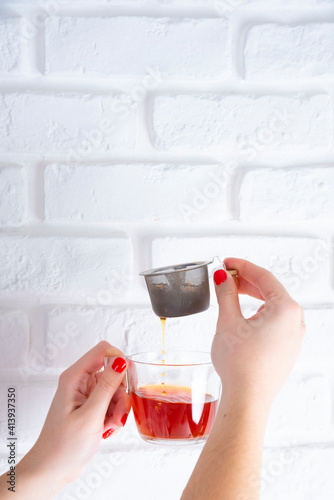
(155, 10)
(155, 157)
(86, 10)
(170, 85)
(128, 229)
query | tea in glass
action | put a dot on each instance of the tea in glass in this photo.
(174, 402)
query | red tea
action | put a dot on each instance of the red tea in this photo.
(172, 414)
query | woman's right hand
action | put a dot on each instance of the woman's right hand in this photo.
(254, 356)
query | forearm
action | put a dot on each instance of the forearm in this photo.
(229, 466)
(34, 480)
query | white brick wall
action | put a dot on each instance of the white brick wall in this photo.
(172, 46)
(96, 192)
(10, 46)
(54, 267)
(267, 194)
(62, 122)
(13, 196)
(237, 124)
(275, 51)
(15, 338)
(141, 133)
(295, 261)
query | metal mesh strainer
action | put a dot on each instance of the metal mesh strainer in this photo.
(181, 289)
(178, 290)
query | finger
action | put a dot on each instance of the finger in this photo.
(120, 411)
(92, 361)
(227, 296)
(246, 288)
(262, 279)
(112, 404)
(106, 360)
(110, 380)
(98, 375)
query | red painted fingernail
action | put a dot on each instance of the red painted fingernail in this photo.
(108, 433)
(124, 419)
(119, 365)
(220, 276)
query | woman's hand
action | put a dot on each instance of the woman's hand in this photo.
(88, 404)
(254, 356)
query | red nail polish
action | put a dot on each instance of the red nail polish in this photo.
(108, 433)
(124, 419)
(220, 276)
(119, 365)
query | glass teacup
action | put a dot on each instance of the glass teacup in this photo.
(174, 399)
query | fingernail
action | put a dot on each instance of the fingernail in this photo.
(220, 276)
(108, 433)
(124, 419)
(119, 365)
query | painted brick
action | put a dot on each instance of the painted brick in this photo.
(295, 261)
(137, 46)
(318, 345)
(276, 51)
(297, 473)
(15, 339)
(13, 196)
(268, 195)
(94, 482)
(158, 193)
(74, 124)
(72, 331)
(221, 7)
(9, 44)
(290, 470)
(32, 405)
(67, 268)
(132, 134)
(250, 127)
(301, 412)
(139, 329)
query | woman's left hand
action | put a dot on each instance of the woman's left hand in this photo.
(89, 404)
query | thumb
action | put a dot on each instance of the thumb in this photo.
(109, 382)
(227, 297)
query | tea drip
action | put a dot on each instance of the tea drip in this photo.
(179, 290)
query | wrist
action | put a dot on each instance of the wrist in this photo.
(37, 478)
(245, 404)
(250, 395)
